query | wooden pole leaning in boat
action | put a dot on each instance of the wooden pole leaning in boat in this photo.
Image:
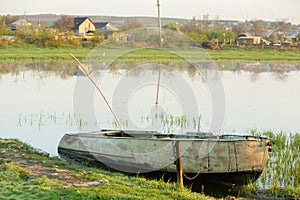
(98, 88)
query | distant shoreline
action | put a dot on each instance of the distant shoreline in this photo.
(29, 52)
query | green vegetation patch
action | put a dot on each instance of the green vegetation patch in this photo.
(150, 54)
(29, 52)
(25, 174)
(255, 54)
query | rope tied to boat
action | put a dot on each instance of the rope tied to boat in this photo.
(191, 178)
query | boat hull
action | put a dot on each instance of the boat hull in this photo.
(230, 160)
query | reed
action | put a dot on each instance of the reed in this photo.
(44, 119)
(281, 177)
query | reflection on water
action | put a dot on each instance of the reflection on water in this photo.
(279, 69)
(65, 69)
(62, 69)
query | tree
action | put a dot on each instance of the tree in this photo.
(65, 23)
(284, 26)
(8, 19)
(3, 28)
(239, 29)
(2, 25)
(212, 36)
(191, 27)
(205, 21)
(2, 21)
(257, 27)
(131, 23)
(217, 25)
(273, 38)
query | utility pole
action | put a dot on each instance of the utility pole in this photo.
(24, 14)
(24, 18)
(159, 24)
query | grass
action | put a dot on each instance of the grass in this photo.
(27, 175)
(255, 54)
(26, 52)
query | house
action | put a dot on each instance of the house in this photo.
(106, 27)
(248, 40)
(20, 24)
(83, 26)
(293, 36)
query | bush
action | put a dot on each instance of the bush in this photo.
(40, 37)
(96, 41)
(47, 37)
(211, 35)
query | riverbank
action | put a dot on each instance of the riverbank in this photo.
(26, 52)
(29, 174)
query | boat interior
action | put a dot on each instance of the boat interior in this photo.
(156, 134)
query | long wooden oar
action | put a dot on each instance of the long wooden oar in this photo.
(98, 88)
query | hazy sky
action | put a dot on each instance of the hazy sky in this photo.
(229, 9)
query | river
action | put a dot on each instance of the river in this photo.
(40, 102)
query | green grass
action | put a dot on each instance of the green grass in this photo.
(255, 54)
(26, 175)
(26, 52)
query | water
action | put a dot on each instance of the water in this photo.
(26, 101)
(40, 102)
(266, 103)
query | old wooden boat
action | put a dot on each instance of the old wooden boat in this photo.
(225, 159)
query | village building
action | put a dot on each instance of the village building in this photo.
(292, 36)
(244, 39)
(83, 26)
(20, 24)
(106, 27)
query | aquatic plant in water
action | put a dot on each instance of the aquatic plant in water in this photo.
(42, 119)
(283, 167)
